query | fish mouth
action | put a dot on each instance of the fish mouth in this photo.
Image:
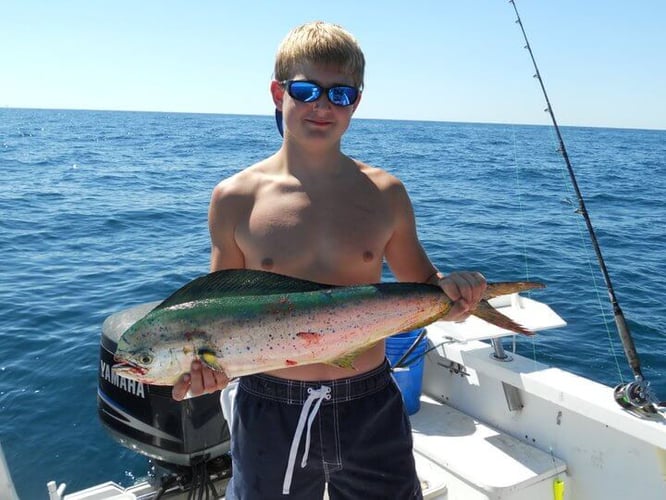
(127, 368)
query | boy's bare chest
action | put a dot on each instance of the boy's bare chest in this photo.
(329, 231)
(336, 218)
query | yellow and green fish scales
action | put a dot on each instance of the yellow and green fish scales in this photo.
(244, 322)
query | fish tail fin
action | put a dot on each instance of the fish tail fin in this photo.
(488, 313)
(508, 287)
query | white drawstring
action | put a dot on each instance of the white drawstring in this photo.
(316, 396)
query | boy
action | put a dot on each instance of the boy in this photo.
(311, 212)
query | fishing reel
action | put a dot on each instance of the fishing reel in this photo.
(637, 398)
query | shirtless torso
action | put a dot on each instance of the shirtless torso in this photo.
(330, 225)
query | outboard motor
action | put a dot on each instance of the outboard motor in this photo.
(182, 437)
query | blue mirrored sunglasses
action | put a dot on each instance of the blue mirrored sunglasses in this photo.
(307, 91)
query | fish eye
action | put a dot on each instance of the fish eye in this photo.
(145, 358)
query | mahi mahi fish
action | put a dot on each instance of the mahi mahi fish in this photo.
(243, 321)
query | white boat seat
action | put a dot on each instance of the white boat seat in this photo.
(492, 463)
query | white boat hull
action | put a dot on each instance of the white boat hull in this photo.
(607, 452)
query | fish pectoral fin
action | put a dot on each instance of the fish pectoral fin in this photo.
(209, 358)
(347, 360)
(488, 313)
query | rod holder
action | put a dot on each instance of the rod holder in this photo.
(499, 354)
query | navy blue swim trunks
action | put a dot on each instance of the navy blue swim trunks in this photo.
(289, 438)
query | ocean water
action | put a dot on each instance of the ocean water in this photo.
(103, 210)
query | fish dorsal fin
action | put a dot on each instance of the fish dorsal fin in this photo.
(508, 287)
(235, 282)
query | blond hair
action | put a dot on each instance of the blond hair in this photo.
(320, 43)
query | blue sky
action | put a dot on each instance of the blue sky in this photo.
(603, 62)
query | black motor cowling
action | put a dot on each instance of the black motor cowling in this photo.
(146, 419)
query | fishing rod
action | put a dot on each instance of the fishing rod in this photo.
(635, 396)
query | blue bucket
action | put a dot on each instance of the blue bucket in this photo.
(409, 379)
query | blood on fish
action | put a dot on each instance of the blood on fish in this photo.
(290, 362)
(309, 337)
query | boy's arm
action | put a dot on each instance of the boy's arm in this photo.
(409, 262)
(223, 212)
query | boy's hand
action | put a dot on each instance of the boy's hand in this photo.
(465, 289)
(200, 380)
